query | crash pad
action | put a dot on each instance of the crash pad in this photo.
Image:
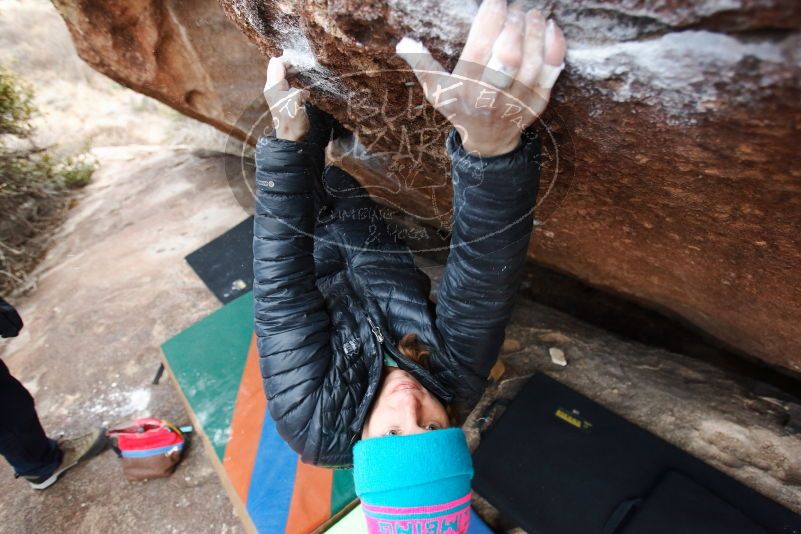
(225, 264)
(558, 462)
(214, 364)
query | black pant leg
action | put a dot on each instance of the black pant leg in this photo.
(23, 442)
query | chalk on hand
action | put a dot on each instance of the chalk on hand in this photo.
(407, 45)
(548, 75)
(410, 50)
(298, 61)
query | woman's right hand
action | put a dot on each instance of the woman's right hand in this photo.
(286, 103)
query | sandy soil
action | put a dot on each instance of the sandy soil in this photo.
(113, 288)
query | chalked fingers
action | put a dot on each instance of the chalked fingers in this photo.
(276, 75)
(507, 50)
(288, 115)
(533, 51)
(487, 25)
(433, 78)
(552, 65)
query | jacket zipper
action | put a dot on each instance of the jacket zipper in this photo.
(357, 423)
(376, 331)
(436, 388)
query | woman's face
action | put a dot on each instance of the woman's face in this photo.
(402, 407)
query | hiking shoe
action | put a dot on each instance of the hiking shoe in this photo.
(75, 451)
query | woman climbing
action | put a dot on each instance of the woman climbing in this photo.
(359, 367)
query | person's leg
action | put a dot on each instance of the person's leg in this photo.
(23, 442)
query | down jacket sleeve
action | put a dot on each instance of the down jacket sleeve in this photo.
(493, 203)
(292, 324)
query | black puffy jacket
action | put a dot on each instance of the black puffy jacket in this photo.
(332, 286)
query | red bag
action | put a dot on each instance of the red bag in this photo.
(148, 447)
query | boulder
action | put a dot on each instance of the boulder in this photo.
(670, 173)
(185, 53)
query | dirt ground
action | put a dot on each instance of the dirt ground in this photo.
(114, 287)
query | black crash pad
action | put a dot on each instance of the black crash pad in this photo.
(225, 264)
(556, 462)
(678, 505)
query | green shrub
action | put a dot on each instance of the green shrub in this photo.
(16, 105)
(34, 185)
(76, 172)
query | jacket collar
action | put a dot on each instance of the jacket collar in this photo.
(390, 344)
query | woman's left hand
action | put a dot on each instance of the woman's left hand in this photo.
(502, 81)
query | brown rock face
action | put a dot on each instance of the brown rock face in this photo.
(184, 53)
(671, 171)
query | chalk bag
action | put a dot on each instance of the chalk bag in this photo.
(148, 448)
